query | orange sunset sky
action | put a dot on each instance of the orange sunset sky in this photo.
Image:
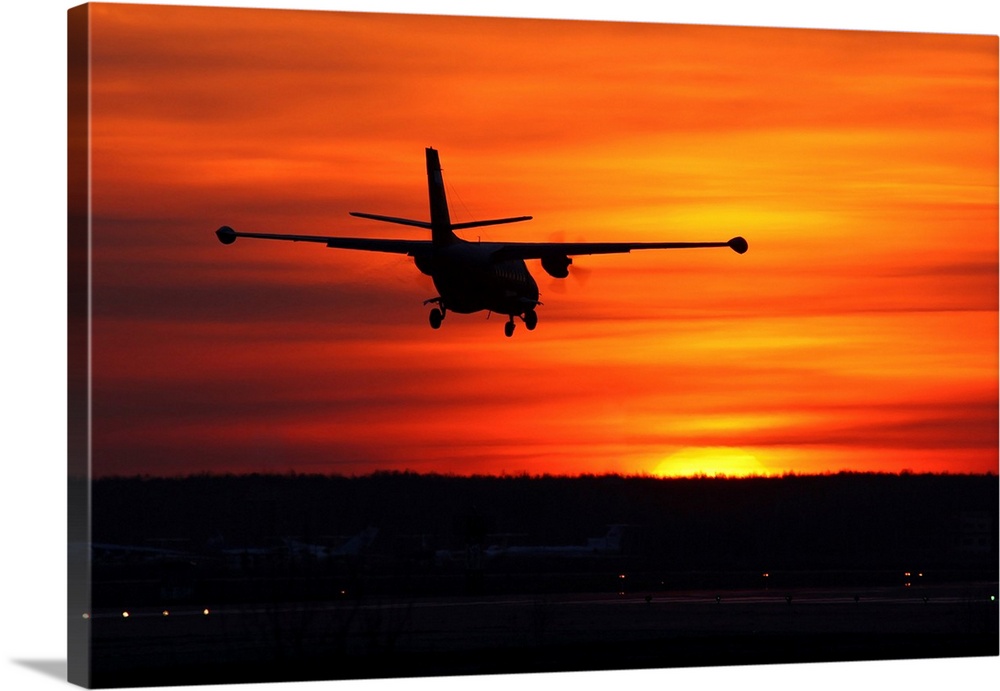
(858, 333)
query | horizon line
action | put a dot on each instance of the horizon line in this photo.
(535, 476)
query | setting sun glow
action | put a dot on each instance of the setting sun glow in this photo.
(711, 462)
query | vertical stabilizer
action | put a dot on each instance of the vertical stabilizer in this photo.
(440, 220)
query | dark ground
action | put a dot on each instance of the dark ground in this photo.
(710, 572)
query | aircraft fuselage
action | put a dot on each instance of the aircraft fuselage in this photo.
(469, 279)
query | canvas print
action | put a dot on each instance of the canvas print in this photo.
(412, 346)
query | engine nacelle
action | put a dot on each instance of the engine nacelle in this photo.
(557, 265)
(425, 263)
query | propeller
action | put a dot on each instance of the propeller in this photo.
(578, 273)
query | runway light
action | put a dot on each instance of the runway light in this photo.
(125, 615)
(86, 615)
(205, 611)
(166, 613)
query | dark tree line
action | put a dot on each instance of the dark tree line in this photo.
(842, 521)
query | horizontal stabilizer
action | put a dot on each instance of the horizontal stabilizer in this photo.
(492, 222)
(392, 219)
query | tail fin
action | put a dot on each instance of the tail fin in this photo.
(442, 229)
(358, 543)
(441, 233)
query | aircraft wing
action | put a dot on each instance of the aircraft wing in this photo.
(227, 236)
(510, 250)
(543, 250)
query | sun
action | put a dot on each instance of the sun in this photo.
(711, 461)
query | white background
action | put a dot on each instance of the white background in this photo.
(33, 335)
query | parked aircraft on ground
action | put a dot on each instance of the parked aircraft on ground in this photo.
(352, 548)
(103, 553)
(611, 543)
(608, 544)
(289, 548)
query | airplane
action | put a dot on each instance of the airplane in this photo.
(475, 276)
(352, 548)
(292, 548)
(608, 544)
(611, 543)
(106, 553)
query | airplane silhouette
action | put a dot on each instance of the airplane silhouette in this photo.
(606, 545)
(475, 276)
(351, 548)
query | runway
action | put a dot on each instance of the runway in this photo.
(466, 635)
(936, 595)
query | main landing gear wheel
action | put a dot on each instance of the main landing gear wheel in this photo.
(437, 316)
(508, 328)
(530, 320)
